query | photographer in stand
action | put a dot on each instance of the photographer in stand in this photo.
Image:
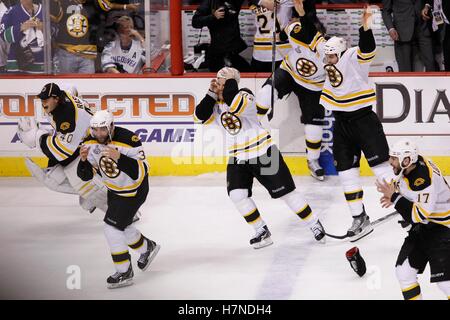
(222, 19)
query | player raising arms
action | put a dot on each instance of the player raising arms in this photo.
(252, 155)
(348, 93)
(302, 72)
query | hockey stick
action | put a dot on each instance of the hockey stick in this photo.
(373, 224)
(274, 47)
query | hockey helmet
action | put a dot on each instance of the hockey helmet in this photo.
(403, 149)
(102, 118)
(229, 73)
(335, 45)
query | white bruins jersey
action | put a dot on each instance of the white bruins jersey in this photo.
(130, 61)
(116, 175)
(245, 136)
(347, 86)
(304, 61)
(70, 121)
(263, 39)
(426, 187)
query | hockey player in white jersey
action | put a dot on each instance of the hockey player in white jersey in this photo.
(348, 93)
(69, 117)
(118, 155)
(302, 72)
(252, 154)
(263, 38)
(126, 53)
(422, 197)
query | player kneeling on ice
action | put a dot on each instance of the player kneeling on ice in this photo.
(69, 116)
(118, 155)
(422, 197)
(252, 155)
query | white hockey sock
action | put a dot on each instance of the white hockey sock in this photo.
(351, 183)
(118, 247)
(135, 239)
(407, 277)
(247, 208)
(384, 171)
(300, 207)
(313, 138)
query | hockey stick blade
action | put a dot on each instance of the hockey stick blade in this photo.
(373, 224)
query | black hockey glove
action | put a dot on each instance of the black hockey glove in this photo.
(356, 261)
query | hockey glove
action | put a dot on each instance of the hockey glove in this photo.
(356, 261)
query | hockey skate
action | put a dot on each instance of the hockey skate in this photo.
(360, 227)
(316, 170)
(118, 279)
(147, 257)
(318, 231)
(261, 238)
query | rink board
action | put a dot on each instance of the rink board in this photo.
(160, 111)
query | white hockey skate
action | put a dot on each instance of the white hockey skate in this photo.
(316, 170)
(261, 238)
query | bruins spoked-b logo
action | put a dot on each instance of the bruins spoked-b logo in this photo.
(334, 75)
(305, 67)
(231, 123)
(109, 167)
(77, 25)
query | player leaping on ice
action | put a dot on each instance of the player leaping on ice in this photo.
(348, 93)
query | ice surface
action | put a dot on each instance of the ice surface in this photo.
(204, 253)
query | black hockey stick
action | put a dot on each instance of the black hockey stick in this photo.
(274, 48)
(373, 224)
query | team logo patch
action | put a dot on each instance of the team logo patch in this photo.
(334, 75)
(231, 123)
(135, 138)
(305, 67)
(109, 167)
(64, 126)
(77, 25)
(419, 182)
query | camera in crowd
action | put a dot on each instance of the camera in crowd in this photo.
(229, 9)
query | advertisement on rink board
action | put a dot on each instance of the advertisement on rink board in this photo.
(160, 112)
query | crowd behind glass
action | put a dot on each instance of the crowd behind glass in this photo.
(108, 36)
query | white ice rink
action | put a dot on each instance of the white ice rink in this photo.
(204, 246)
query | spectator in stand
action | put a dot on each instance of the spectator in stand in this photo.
(222, 19)
(439, 12)
(4, 46)
(77, 32)
(21, 27)
(410, 32)
(126, 53)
